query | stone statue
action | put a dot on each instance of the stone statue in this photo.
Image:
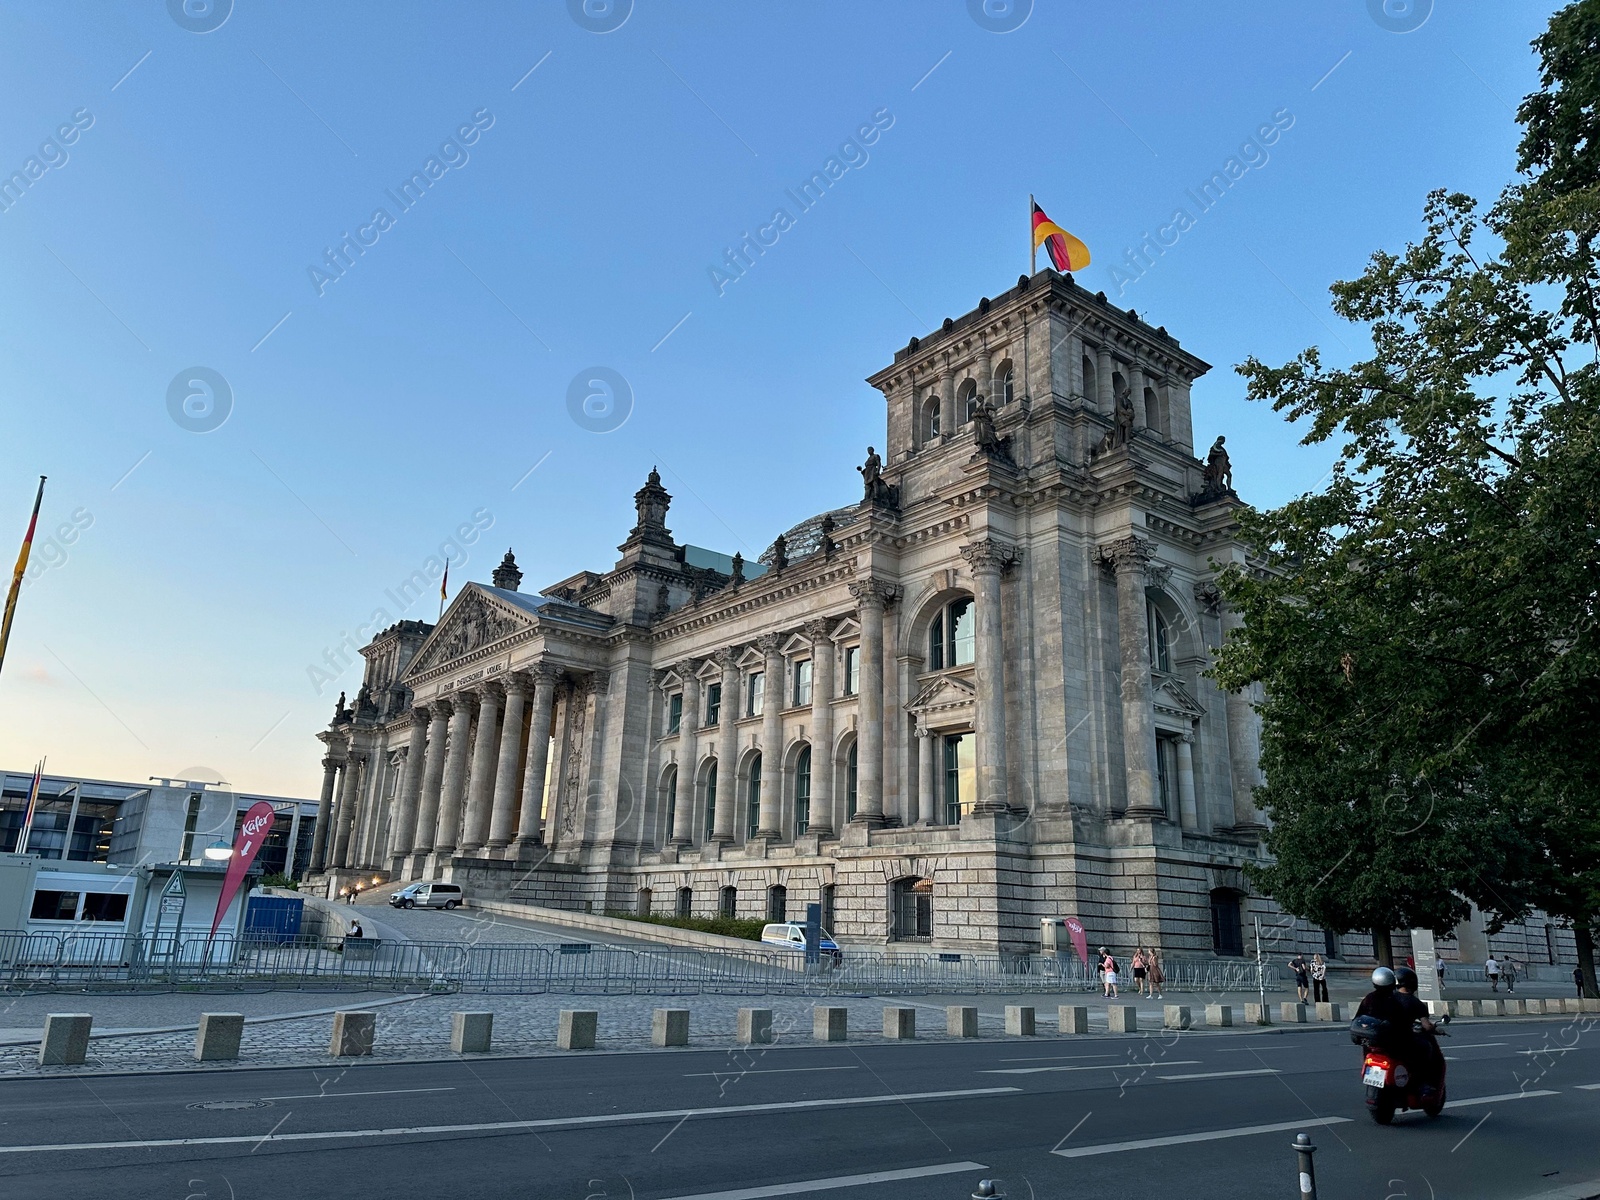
(780, 553)
(1219, 470)
(826, 529)
(1123, 429)
(983, 425)
(340, 713)
(737, 577)
(877, 490)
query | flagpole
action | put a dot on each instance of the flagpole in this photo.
(33, 804)
(1033, 246)
(16, 576)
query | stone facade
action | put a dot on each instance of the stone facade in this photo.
(974, 699)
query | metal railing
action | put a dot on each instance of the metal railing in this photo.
(135, 962)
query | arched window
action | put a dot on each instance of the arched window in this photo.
(1227, 922)
(966, 400)
(711, 799)
(1152, 411)
(1160, 638)
(1090, 383)
(802, 791)
(669, 789)
(1005, 382)
(930, 418)
(728, 902)
(951, 636)
(642, 902)
(685, 906)
(777, 902)
(911, 910)
(850, 763)
(754, 818)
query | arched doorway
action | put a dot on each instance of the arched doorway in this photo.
(1227, 922)
(911, 909)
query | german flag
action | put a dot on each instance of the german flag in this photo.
(1066, 252)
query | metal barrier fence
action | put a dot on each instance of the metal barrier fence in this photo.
(134, 962)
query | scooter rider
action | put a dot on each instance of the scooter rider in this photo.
(1401, 1009)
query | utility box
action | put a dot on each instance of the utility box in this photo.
(273, 919)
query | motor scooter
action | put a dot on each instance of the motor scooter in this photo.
(1392, 1085)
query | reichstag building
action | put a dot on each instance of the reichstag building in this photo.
(972, 698)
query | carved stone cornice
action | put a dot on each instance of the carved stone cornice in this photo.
(989, 555)
(1209, 597)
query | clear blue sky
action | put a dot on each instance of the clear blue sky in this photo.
(210, 570)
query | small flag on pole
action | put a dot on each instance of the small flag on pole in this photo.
(16, 576)
(444, 588)
(33, 802)
(1066, 252)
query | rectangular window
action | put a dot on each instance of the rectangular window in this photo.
(802, 683)
(852, 670)
(963, 627)
(104, 906)
(713, 703)
(54, 906)
(827, 908)
(675, 712)
(757, 688)
(960, 777)
(1166, 774)
(186, 851)
(936, 644)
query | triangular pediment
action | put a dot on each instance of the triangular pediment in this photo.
(1174, 699)
(945, 692)
(475, 621)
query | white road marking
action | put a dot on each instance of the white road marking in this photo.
(333, 1095)
(1475, 1045)
(1551, 1050)
(770, 1071)
(1588, 1087)
(1055, 1057)
(1184, 1139)
(1454, 1103)
(1222, 1074)
(1182, 1062)
(519, 1126)
(838, 1181)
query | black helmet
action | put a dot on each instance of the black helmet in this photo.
(1405, 977)
(1383, 979)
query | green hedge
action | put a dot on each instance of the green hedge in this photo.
(726, 926)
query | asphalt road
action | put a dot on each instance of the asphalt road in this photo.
(1054, 1117)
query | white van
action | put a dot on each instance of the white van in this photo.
(791, 936)
(427, 895)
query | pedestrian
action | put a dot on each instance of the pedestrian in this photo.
(1577, 980)
(1438, 969)
(1139, 980)
(1108, 973)
(1158, 977)
(1491, 968)
(1510, 973)
(355, 929)
(1319, 979)
(1302, 976)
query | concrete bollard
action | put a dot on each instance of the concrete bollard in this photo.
(1072, 1018)
(1175, 1016)
(1515, 1008)
(1591, 1004)
(669, 1027)
(1573, 1004)
(1491, 1008)
(66, 1039)
(1258, 1014)
(1019, 1020)
(576, 1028)
(218, 1037)
(830, 1024)
(471, 1032)
(960, 1022)
(899, 1023)
(1437, 1008)
(353, 1033)
(1122, 1018)
(1533, 1008)
(754, 1027)
(1219, 1015)
(1327, 1011)
(1292, 1013)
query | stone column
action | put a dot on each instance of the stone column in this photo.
(485, 753)
(448, 830)
(772, 699)
(727, 749)
(529, 832)
(988, 559)
(683, 805)
(822, 765)
(871, 597)
(1244, 743)
(1130, 557)
(1074, 380)
(1136, 394)
(403, 831)
(505, 773)
(950, 419)
(927, 777)
(354, 761)
(319, 846)
(432, 778)
(1188, 813)
(1104, 400)
(985, 374)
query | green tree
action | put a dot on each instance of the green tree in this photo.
(1425, 627)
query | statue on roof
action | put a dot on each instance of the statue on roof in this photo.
(1216, 477)
(780, 553)
(877, 489)
(506, 575)
(737, 576)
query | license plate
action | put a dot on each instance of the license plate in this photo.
(1375, 1077)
